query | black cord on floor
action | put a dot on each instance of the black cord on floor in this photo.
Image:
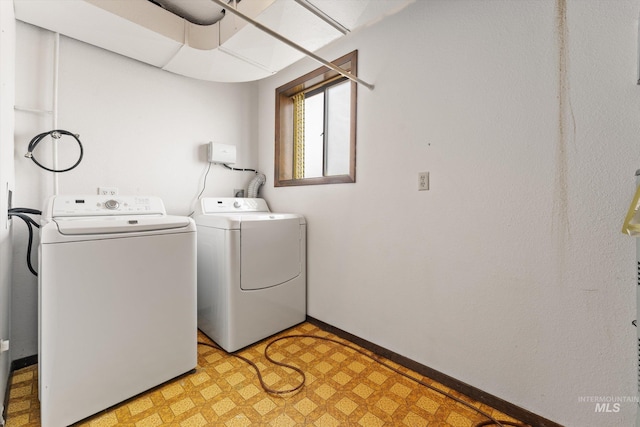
(259, 374)
(502, 423)
(372, 356)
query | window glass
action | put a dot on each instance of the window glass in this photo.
(338, 129)
(314, 136)
(315, 141)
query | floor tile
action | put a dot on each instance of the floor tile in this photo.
(342, 388)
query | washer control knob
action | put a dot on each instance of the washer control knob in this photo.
(111, 204)
(236, 204)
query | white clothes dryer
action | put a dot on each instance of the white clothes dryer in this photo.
(251, 270)
(117, 302)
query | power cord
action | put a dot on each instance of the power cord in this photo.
(55, 134)
(239, 169)
(256, 182)
(501, 423)
(204, 181)
(204, 185)
(259, 374)
(372, 356)
(23, 214)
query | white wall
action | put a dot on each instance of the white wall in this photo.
(7, 86)
(144, 131)
(510, 274)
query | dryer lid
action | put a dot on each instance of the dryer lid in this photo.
(234, 221)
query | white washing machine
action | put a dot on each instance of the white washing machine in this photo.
(251, 270)
(117, 302)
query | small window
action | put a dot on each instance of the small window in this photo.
(316, 127)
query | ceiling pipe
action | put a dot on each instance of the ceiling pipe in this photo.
(320, 14)
(294, 45)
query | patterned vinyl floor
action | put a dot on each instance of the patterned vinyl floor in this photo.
(343, 388)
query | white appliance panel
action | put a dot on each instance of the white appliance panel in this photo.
(251, 271)
(218, 275)
(216, 205)
(101, 205)
(117, 314)
(269, 252)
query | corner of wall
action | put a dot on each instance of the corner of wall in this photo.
(7, 96)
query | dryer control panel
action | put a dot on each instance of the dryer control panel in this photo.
(82, 206)
(214, 205)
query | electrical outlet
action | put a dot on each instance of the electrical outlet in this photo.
(107, 191)
(4, 346)
(423, 181)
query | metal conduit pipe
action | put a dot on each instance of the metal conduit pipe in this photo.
(54, 109)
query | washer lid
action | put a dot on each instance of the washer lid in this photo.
(122, 224)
